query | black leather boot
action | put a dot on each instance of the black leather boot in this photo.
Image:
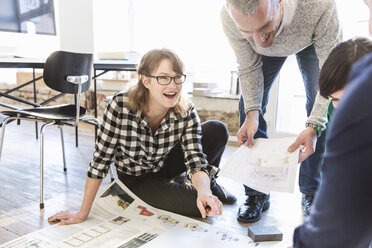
(251, 210)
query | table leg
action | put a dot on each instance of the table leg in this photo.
(95, 101)
(35, 99)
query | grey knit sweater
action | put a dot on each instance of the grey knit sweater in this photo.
(305, 22)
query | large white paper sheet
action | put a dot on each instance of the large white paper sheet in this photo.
(120, 219)
(265, 167)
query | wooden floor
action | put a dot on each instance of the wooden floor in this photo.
(19, 179)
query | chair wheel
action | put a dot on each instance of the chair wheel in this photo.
(64, 169)
(41, 205)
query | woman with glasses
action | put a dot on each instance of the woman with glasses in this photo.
(153, 135)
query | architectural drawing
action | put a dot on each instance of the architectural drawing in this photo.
(133, 226)
(196, 227)
(226, 236)
(265, 167)
(274, 173)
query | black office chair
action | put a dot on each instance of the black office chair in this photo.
(65, 72)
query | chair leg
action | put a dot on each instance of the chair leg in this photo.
(90, 118)
(42, 163)
(63, 149)
(94, 120)
(6, 120)
(76, 136)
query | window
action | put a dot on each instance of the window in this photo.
(190, 28)
(27, 16)
(193, 29)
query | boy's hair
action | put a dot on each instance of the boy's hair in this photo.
(336, 69)
(138, 95)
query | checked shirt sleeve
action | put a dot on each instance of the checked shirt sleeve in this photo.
(107, 138)
(195, 159)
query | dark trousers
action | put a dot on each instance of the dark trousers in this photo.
(160, 191)
(309, 67)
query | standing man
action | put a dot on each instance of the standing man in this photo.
(262, 34)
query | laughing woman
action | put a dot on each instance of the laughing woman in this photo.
(153, 135)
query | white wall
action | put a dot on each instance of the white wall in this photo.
(111, 25)
(75, 25)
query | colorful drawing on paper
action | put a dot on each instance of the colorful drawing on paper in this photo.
(167, 220)
(119, 220)
(195, 227)
(144, 211)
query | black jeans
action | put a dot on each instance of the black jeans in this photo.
(158, 189)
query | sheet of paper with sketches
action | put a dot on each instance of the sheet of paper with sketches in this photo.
(120, 219)
(265, 167)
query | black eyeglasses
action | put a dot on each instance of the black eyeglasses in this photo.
(165, 80)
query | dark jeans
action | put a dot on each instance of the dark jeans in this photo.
(309, 66)
(158, 189)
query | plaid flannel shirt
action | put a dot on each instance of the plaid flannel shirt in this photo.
(125, 139)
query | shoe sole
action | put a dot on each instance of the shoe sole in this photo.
(265, 207)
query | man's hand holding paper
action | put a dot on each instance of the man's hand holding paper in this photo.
(265, 167)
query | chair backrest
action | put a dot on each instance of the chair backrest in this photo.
(61, 64)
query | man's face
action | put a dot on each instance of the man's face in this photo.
(260, 26)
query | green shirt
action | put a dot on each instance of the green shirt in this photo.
(329, 113)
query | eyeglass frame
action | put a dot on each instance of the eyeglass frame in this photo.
(171, 78)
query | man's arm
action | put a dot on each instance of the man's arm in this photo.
(307, 139)
(250, 78)
(249, 128)
(327, 34)
(249, 64)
